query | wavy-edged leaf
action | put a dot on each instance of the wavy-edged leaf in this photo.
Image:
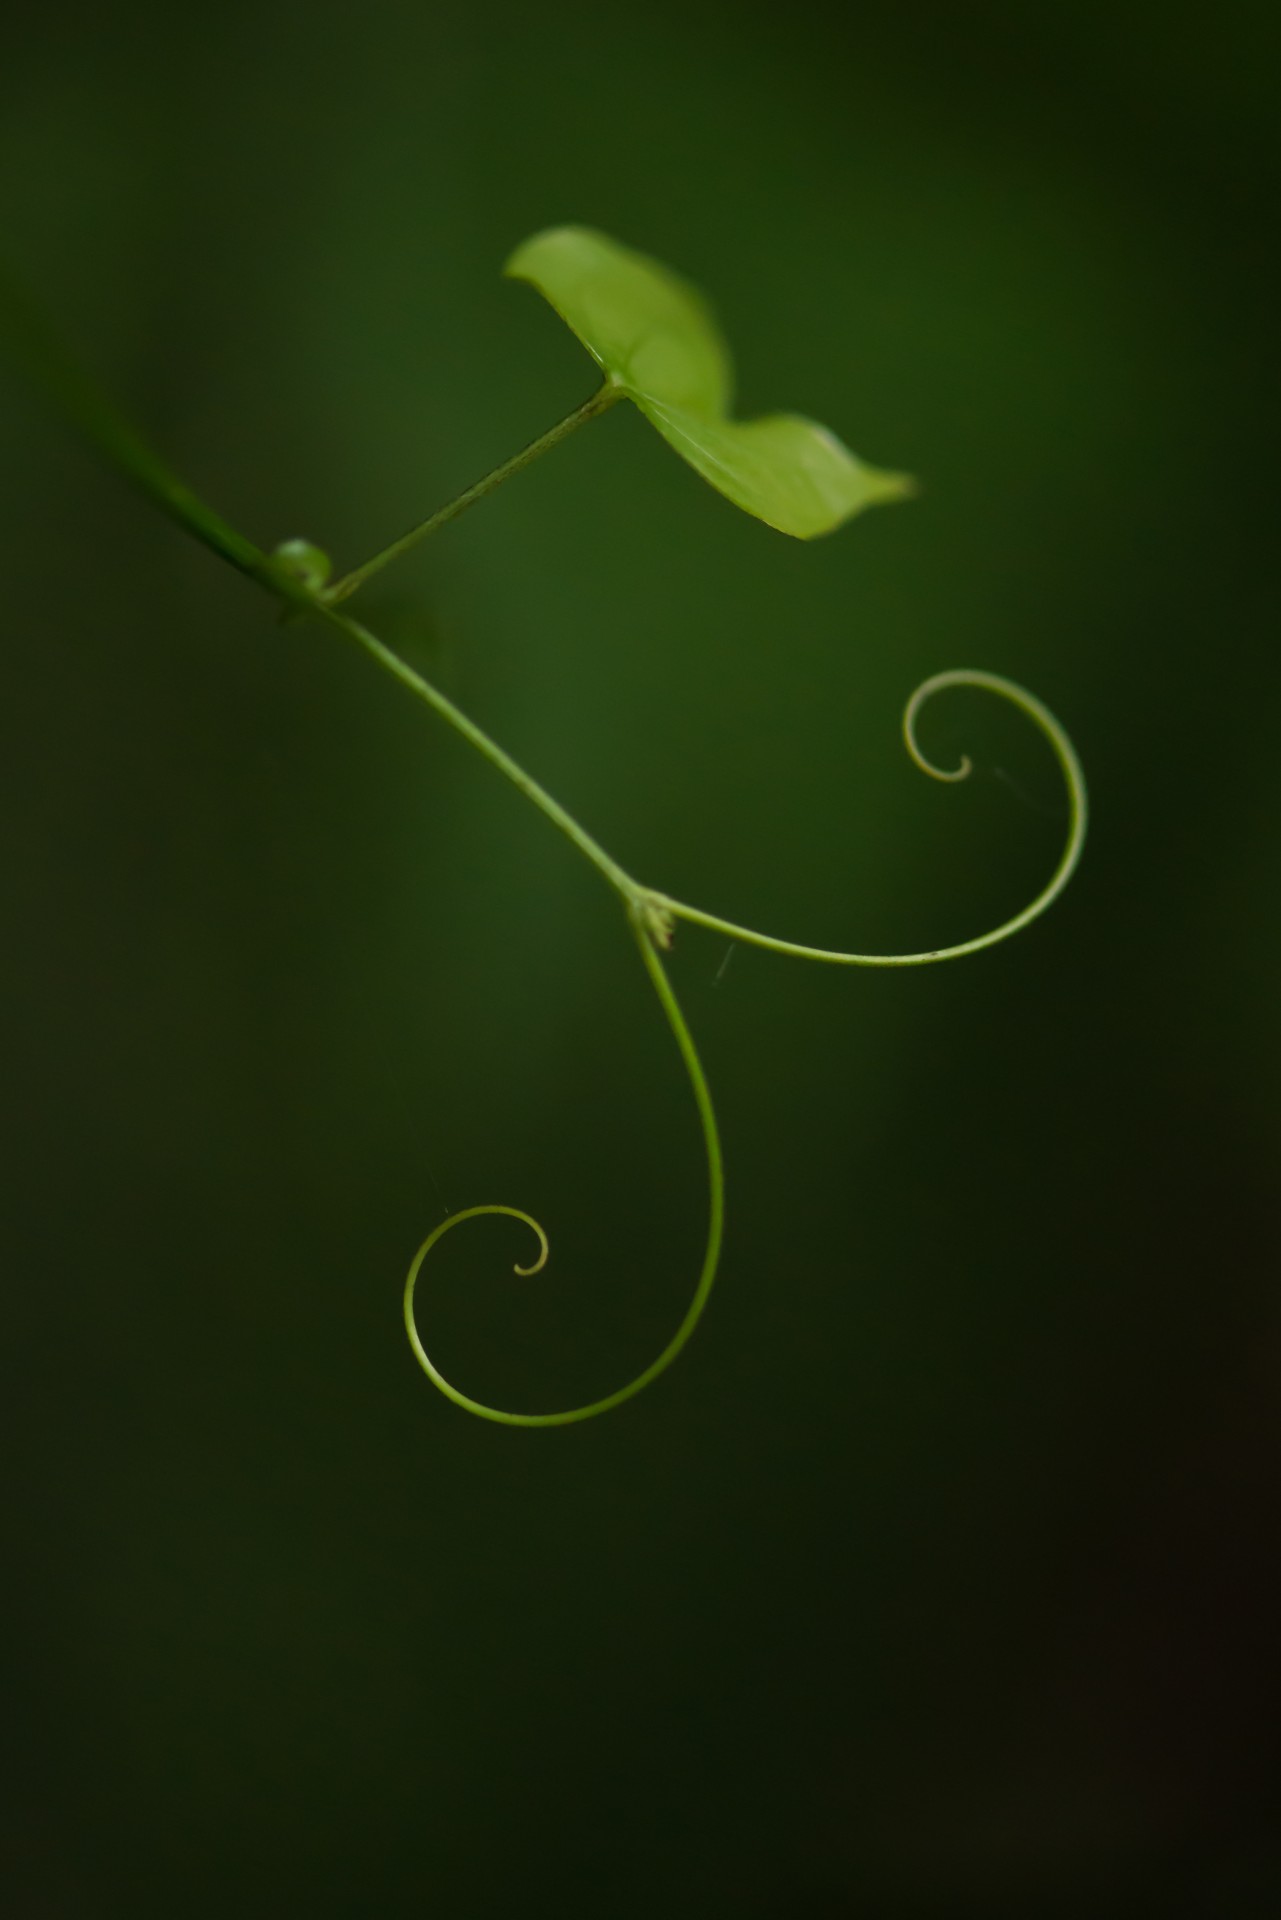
(655, 338)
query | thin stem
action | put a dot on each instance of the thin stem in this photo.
(489, 749)
(47, 360)
(1074, 778)
(711, 1257)
(600, 402)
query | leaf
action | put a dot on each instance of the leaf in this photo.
(656, 340)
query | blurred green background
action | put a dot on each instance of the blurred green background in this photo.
(937, 1577)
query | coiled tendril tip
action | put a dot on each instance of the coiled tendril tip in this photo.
(935, 684)
(641, 927)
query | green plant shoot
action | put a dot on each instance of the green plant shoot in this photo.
(658, 346)
(657, 342)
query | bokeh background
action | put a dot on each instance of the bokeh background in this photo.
(937, 1577)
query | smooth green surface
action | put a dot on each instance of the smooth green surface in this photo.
(654, 336)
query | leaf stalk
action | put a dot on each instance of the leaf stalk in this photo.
(603, 398)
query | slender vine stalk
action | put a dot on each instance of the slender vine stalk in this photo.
(603, 398)
(294, 573)
(480, 740)
(47, 361)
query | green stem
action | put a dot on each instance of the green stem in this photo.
(600, 402)
(47, 361)
(711, 1256)
(489, 749)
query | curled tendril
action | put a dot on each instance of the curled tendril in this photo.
(652, 916)
(642, 927)
(1074, 779)
(297, 574)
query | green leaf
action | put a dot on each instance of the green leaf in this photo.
(656, 340)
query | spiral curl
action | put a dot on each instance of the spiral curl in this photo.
(644, 929)
(1074, 780)
(652, 916)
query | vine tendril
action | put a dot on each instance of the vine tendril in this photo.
(1074, 779)
(711, 1256)
(651, 914)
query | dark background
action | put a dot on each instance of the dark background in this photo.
(935, 1578)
